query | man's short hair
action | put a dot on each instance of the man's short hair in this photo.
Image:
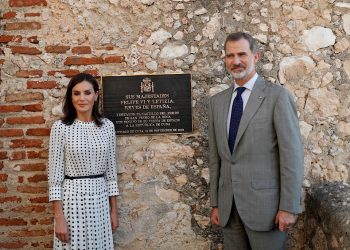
(242, 35)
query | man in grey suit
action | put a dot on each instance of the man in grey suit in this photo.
(256, 154)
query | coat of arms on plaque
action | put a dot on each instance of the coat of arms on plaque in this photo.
(147, 85)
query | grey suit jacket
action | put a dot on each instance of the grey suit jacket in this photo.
(265, 170)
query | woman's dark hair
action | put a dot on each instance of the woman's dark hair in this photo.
(69, 112)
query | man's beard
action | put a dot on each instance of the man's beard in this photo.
(244, 73)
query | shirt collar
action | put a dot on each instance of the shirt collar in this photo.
(250, 84)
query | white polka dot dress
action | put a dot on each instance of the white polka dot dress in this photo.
(83, 149)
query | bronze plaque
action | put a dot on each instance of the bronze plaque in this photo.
(148, 104)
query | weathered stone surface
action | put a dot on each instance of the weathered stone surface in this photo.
(305, 130)
(168, 196)
(202, 221)
(341, 45)
(57, 110)
(181, 180)
(346, 67)
(212, 27)
(330, 203)
(299, 12)
(344, 128)
(173, 51)
(346, 23)
(317, 38)
(158, 37)
(217, 89)
(295, 68)
(152, 65)
(316, 102)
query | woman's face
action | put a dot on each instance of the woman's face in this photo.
(83, 98)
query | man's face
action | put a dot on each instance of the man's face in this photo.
(240, 61)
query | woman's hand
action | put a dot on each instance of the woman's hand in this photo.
(61, 229)
(114, 220)
(114, 212)
(61, 226)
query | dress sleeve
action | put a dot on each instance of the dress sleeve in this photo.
(56, 161)
(111, 172)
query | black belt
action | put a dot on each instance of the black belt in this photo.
(84, 177)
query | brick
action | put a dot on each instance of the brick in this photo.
(93, 72)
(33, 39)
(10, 108)
(26, 143)
(27, 233)
(66, 72)
(83, 61)
(31, 14)
(25, 120)
(31, 167)
(57, 49)
(29, 209)
(10, 199)
(3, 177)
(27, 189)
(106, 47)
(81, 50)
(33, 107)
(34, 221)
(12, 222)
(3, 156)
(2, 121)
(36, 178)
(20, 97)
(114, 59)
(50, 244)
(9, 38)
(48, 221)
(44, 199)
(43, 154)
(20, 179)
(13, 244)
(25, 50)
(42, 84)
(18, 155)
(9, 15)
(23, 26)
(11, 132)
(1, 165)
(38, 132)
(3, 190)
(27, 3)
(29, 73)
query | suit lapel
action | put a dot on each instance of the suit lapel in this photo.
(255, 99)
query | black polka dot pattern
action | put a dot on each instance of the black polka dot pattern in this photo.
(83, 149)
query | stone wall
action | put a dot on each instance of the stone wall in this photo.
(328, 216)
(164, 201)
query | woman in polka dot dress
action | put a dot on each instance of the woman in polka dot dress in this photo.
(82, 171)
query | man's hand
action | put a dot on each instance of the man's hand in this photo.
(215, 216)
(61, 229)
(284, 220)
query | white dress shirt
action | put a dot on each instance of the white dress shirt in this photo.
(245, 96)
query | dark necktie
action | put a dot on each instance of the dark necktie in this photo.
(236, 114)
